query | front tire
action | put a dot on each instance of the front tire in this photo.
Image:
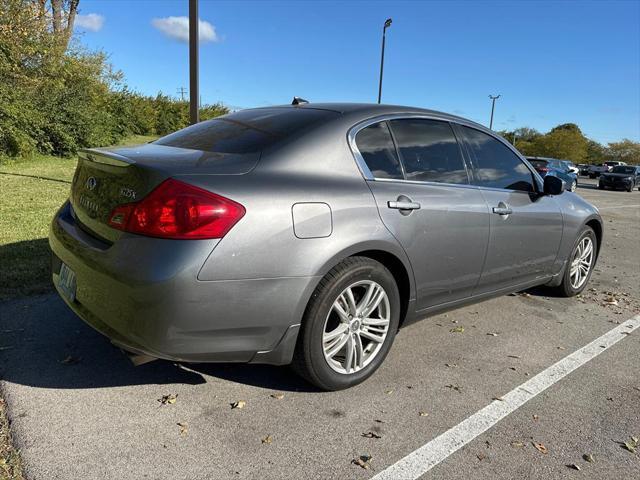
(574, 186)
(580, 264)
(349, 325)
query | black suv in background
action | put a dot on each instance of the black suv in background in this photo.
(621, 177)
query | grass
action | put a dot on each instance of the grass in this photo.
(31, 191)
(10, 463)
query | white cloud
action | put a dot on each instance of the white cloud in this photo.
(92, 22)
(177, 28)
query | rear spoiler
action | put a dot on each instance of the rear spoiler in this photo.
(105, 157)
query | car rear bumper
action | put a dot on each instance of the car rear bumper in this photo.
(143, 294)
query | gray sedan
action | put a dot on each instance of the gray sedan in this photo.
(308, 235)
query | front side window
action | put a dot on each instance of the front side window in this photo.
(429, 151)
(376, 147)
(495, 164)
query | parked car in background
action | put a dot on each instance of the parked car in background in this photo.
(308, 234)
(597, 170)
(583, 169)
(571, 166)
(552, 166)
(625, 177)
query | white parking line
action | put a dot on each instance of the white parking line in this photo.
(429, 455)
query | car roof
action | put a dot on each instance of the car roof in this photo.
(374, 109)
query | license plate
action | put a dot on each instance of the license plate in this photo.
(67, 282)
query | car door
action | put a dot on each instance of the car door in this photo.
(526, 226)
(421, 187)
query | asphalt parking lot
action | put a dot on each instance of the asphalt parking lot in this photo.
(79, 409)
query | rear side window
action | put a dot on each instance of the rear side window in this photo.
(376, 147)
(495, 165)
(246, 131)
(429, 151)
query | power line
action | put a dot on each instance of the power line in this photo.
(182, 91)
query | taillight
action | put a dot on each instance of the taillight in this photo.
(542, 169)
(177, 210)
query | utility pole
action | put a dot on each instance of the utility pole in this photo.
(182, 91)
(194, 116)
(387, 24)
(493, 106)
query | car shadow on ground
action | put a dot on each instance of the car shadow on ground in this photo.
(44, 344)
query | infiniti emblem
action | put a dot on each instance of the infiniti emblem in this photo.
(91, 183)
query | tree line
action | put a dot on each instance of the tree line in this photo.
(57, 97)
(567, 142)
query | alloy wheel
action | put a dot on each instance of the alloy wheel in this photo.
(581, 263)
(356, 327)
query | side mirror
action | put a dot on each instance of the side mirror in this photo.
(553, 185)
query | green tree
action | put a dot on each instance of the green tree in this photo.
(626, 151)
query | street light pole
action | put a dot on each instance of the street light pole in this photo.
(194, 114)
(387, 24)
(493, 106)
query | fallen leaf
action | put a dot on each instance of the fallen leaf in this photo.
(388, 392)
(610, 301)
(423, 414)
(589, 457)
(574, 466)
(451, 365)
(631, 445)
(277, 396)
(363, 461)
(183, 428)
(499, 399)
(481, 456)
(535, 418)
(267, 440)
(514, 356)
(239, 404)
(168, 399)
(457, 330)
(370, 435)
(517, 444)
(377, 420)
(457, 388)
(493, 334)
(540, 447)
(69, 360)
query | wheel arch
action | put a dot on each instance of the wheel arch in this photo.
(596, 224)
(392, 256)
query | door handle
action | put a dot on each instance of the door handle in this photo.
(502, 209)
(400, 205)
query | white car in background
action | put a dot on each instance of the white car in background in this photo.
(596, 170)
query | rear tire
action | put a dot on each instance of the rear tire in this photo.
(601, 186)
(335, 348)
(574, 281)
(574, 186)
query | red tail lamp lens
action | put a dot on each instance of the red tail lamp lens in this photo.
(178, 210)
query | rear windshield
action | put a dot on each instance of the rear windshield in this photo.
(246, 131)
(537, 163)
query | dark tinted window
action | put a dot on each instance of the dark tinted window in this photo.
(623, 169)
(429, 151)
(495, 164)
(378, 151)
(246, 131)
(537, 163)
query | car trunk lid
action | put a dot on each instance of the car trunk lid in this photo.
(106, 178)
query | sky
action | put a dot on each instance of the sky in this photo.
(551, 62)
